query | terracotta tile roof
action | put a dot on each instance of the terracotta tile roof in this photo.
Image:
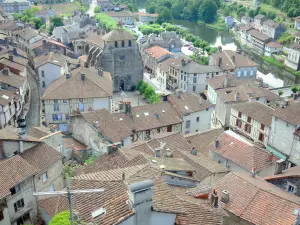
(94, 86)
(19, 59)
(54, 205)
(51, 57)
(12, 79)
(188, 103)
(293, 172)
(10, 133)
(9, 26)
(118, 35)
(109, 125)
(274, 44)
(73, 143)
(157, 52)
(289, 113)
(12, 64)
(240, 151)
(260, 36)
(202, 140)
(257, 111)
(40, 43)
(257, 201)
(41, 156)
(164, 65)
(13, 171)
(143, 117)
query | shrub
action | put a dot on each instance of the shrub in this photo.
(133, 87)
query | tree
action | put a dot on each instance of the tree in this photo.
(62, 218)
(251, 13)
(164, 16)
(280, 92)
(35, 3)
(142, 88)
(155, 98)
(37, 23)
(294, 89)
(197, 43)
(150, 8)
(149, 91)
(97, 9)
(139, 84)
(203, 44)
(57, 21)
(208, 11)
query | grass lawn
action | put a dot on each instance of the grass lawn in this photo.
(218, 24)
(62, 8)
(269, 8)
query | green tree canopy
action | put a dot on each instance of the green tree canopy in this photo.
(62, 218)
(208, 11)
(97, 9)
(57, 21)
(164, 15)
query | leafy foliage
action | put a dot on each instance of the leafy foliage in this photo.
(62, 218)
(280, 92)
(90, 160)
(294, 89)
(148, 92)
(105, 21)
(208, 11)
(28, 17)
(97, 9)
(291, 7)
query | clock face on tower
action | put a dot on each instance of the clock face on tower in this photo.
(121, 57)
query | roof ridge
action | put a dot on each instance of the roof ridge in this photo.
(96, 83)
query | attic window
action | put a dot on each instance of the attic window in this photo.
(146, 114)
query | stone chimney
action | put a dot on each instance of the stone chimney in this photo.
(214, 198)
(45, 47)
(217, 142)
(140, 197)
(11, 58)
(6, 71)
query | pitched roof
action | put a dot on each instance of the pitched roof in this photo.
(157, 52)
(10, 133)
(52, 57)
(259, 17)
(253, 200)
(270, 23)
(293, 172)
(118, 14)
(146, 14)
(13, 171)
(94, 86)
(240, 151)
(12, 64)
(11, 79)
(40, 43)
(257, 111)
(109, 125)
(118, 35)
(26, 33)
(228, 80)
(274, 44)
(7, 96)
(189, 103)
(289, 113)
(41, 156)
(54, 205)
(259, 35)
(143, 117)
(38, 132)
(10, 26)
(164, 65)
(201, 140)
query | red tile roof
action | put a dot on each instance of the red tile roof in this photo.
(293, 172)
(157, 52)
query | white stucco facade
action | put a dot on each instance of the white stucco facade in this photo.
(197, 121)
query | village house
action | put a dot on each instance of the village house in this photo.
(272, 29)
(297, 23)
(14, 100)
(246, 20)
(107, 5)
(14, 61)
(284, 141)
(194, 111)
(153, 56)
(25, 37)
(257, 41)
(75, 150)
(168, 40)
(247, 207)
(67, 34)
(100, 130)
(114, 52)
(244, 33)
(253, 120)
(162, 72)
(81, 20)
(45, 15)
(8, 27)
(126, 17)
(287, 180)
(273, 47)
(293, 58)
(146, 17)
(228, 97)
(46, 45)
(148, 120)
(239, 154)
(81, 90)
(192, 77)
(258, 21)
(297, 38)
(15, 6)
(50, 66)
(229, 61)
(229, 21)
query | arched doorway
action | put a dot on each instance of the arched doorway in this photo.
(121, 85)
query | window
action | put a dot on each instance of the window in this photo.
(195, 80)
(261, 137)
(45, 177)
(198, 119)
(184, 78)
(43, 84)
(181, 77)
(123, 44)
(43, 73)
(67, 117)
(169, 128)
(247, 128)
(287, 124)
(56, 107)
(158, 130)
(188, 124)
(15, 189)
(81, 107)
(291, 188)
(65, 100)
(257, 99)
(240, 114)
(194, 88)
(54, 117)
(262, 126)
(19, 204)
(116, 44)
(249, 119)
(59, 117)
(129, 43)
(207, 109)
(196, 130)
(147, 132)
(81, 100)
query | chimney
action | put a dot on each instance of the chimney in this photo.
(45, 45)
(82, 76)
(68, 76)
(182, 62)
(140, 197)
(220, 61)
(96, 123)
(128, 108)
(279, 166)
(157, 153)
(270, 157)
(227, 82)
(260, 83)
(194, 151)
(21, 148)
(11, 58)
(225, 196)
(6, 71)
(214, 198)
(217, 142)
(237, 96)
(15, 51)
(253, 172)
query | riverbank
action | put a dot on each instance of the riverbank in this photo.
(274, 61)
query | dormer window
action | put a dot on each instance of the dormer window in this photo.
(116, 44)
(123, 44)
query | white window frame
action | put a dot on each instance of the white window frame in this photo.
(291, 185)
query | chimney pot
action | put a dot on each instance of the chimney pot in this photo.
(225, 196)
(217, 142)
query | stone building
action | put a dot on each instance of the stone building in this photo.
(116, 52)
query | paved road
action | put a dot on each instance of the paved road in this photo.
(92, 7)
(33, 116)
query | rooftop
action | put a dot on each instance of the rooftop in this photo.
(9, 26)
(11, 79)
(118, 14)
(10, 133)
(55, 58)
(260, 36)
(270, 23)
(40, 43)
(274, 44)
(295, 46)
(219, 82)
(40, 132)
(293, 172)
(259, 17)
(26, 33)
(93, 85)
(157, 52)
(118, 35)
(164, 65)
(289, 113)
(12, 64)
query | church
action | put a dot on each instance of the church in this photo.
(116, 52)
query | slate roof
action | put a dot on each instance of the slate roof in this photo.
(240, 151)
(289, 113)
(257, 111)
(219, 82)
(94, 86)
(10, 133)
(109, 125)
(164, 65)
(189, 103)
(118, 35)
(257, 201)
(271, 23)
(41, 156)
(201, 140)
(13, 171)
(143, 117)
(26, 33)
(157, 52)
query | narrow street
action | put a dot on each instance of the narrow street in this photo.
(33, 117)
(93, 5)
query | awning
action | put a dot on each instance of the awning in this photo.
(275, 152)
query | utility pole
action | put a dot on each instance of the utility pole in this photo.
(69, 192)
